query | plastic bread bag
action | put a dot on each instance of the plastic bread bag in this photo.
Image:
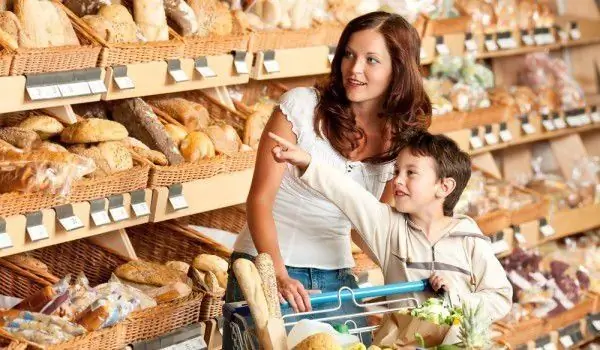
(52, 325)
(473, 73)
(106, 311)
(506, 14)
(410, 9)
(447, 67)
(41, 171)
(81, 295)
(116, 286)
(441, 105)
(43, 298)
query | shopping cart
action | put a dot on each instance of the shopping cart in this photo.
(244, 337)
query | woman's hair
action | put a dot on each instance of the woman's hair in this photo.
(406, 105)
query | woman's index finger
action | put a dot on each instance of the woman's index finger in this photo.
(280, 140)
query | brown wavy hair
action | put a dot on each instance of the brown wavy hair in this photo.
(406, 108)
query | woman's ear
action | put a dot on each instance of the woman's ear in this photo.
(447, 185)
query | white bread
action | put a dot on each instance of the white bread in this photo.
(249, 281)
(212, 263)
(151, 18)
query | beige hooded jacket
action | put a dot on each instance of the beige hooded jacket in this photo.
(463, 256)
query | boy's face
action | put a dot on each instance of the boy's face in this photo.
(416, 184)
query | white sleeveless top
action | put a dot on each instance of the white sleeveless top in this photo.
(313, 232)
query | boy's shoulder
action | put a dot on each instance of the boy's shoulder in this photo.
(468, 228)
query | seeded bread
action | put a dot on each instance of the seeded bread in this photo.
(43, 125)
(20, 138)
(117, 155)
(93, 130)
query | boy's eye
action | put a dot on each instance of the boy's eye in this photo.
(396, 172)
(410, 172)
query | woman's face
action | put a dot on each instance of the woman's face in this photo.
(366, 67)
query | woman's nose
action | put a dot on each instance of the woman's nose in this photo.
(358, 66)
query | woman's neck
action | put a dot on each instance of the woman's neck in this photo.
(365, 111)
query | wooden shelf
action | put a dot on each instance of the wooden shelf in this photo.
(293, 63)
(153, 78)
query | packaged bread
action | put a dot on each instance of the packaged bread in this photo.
(44, 296)
(212, 263)
(148, 273)
(318, 341)
(182, 15)
(151, 18)
(39, 328)
(176, 133)
(45, 126)
(192, 115)
(19, 137)
(93, 130)
(170, 292)
(106, 311)
(225, 138)
(144, 125)
(197, 146)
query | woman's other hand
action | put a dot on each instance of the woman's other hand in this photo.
(293, 291)
(287, 152)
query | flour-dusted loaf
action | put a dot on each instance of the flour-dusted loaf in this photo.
(251, 286)
(150, 16)
(214, 17)
(148, 273)
(44, 125)
(143, 124)
(93, 153)
(183, 15)
(114, 24)
(117, 155)
(225, 138)
(209, 262)
(93, 130)
(266, 271)
(45, 23)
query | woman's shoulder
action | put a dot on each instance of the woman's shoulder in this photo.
(300, 96)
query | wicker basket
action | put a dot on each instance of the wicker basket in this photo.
(59, 58)
(128, 53)
(169, 241)
(333, 32)
(15, 203)
(121, 182)
(230, 219)
(213, 45)
(6, 58)
(278, 39)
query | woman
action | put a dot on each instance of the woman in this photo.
(356, 123)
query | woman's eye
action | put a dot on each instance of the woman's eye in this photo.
(348, 54)
(372, 60)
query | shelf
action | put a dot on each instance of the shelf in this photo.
(290, 63)
(153, 78)
(16, 226)
(217, 192)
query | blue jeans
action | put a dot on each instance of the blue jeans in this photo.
(311, 279)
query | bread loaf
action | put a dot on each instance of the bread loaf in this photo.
(176, 133)
(9, 23)
(5, 146)
(45, 23)
(114, 23)
(37, 301)
(153, 156)
(94, 316)
(45, 126)
(193, 115)
(117, 155)
(170, 292)
(212, 283)
(225, 138)
(322, 341)
(249, 281)
(52, 147)
(197, 146)
(213, 17)
(133, 142)
(212, 263)
(255, 125)
(21, 138)
(183, 15)
(148, 273)
(93, 130)
(179, 266)
(144, 125)
(96, 110)
(93, 153)
(85, 7)
(27, 261)
(266, 271)
(151, 18)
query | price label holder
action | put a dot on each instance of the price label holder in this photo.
(440, 46)
(93, 76)
(41, 87)
(574, 31)
(35, 226)
(527, 38)
(595, 114)
(175, 71)
(577, 117)
(120, 77)
(506, 41)
(239, 62)
(543, 36)
(67, 218)
(526, 126)
(138, 203)
(475, 140)
(71, 84)
(544, 343)
(562, 34)
(490, 137)
(187, 338)
(490, 43)
(593, 324)
(505, 134)
(270, 63)
(176, 197)
(545, 228)
(499, 245)
(518, 235)
(559, 122)
(116, 208)
(98, 212)
(5, 240)
(470, 43)
(547, 122)
(570, 335)
(332, 49)
(201, 66)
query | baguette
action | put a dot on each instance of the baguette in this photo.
(249, 280)
(266, 270)
(212, 263)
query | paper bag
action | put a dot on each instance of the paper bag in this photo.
(273, 337)
(400, 329)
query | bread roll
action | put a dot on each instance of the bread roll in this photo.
(251, 287)
(266, 270)
(151, 19)
(52, 147)
(212, 263)
(193, 115)
(93, 153)
(225, 138)
(28, 262)
(176, 133)
(43, 125)
(93, 130)
(322, 341)
(21, 138)
(197, 146)
(15, 35)
(153, 156)
(117, 155)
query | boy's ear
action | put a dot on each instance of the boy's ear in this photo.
(447, 185)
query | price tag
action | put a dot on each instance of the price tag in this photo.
(543, 36)
(475, 140)
(116, 208)
(121, 78)
(201, 66)
(546, 229)
(175, 71)
(505, 134)
(519, 236)
(506, 41)
(575, 32)
(562, 35)
(500, 247)
(67, 218)
(239, 62)
(490, 43)
(519, 281)
(440, 46)
(97, 87)
(548, 125)
(332, 49)
(100, 218)
(43, 92)
(539, 278)
(490, 137)
(5, 240)
(573, 121)
(190, 344)
(595, 115)
(138, 203)
(527, 38)
(596, 325)
(470, 44)
(35, 226)
(176, 197)
(550, 346)
(74, 89)
(270, 63)
(528, 129)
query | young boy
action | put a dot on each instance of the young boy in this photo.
(418, 238)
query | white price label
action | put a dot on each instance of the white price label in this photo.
(584, 119)
(491, 45)
(240, 67)
(500, 246)
(100, 218)
(140, 209)
(528, 128)
(548, 125)
(97, 87)
(178, 75)
(575, 34)
(74, 89)
(423, 54)
(124, 83)
(471, 45)
(544, 39)
(528, 40)
(507, 43)
(191, 344)
(331, 56)
(43, 92)
(476, 142)
(559, 123)
(206, 72)
(71, 223)
(37, 232)
(520, 238)
(596, 325)
(519, 281)
(547, 230)
(178, 202)
(271, 66)
(118, 214)
(442, 49)
(505, 135)
(491, 139)
(563, 35)
(5, 241)
(596, 117)
(574, 121)
(566, 341)
(550, 346)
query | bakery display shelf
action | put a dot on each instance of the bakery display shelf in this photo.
(199, 196)
(22, 233)
(154, 78)
(288, 63)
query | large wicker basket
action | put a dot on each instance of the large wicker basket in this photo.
(6, 58)
(213, 45)
(278, 39)
(230, 219)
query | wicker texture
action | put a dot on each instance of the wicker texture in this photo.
(17, 284)
(161, 176)
(230, 219)
(15, 203)
(213, 45)
(120, 182)
(60, 58)
(5, 62)
(278, 39)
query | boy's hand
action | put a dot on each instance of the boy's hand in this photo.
(287, 152)
(439, 284)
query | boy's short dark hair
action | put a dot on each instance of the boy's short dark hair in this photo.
(450, 161)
